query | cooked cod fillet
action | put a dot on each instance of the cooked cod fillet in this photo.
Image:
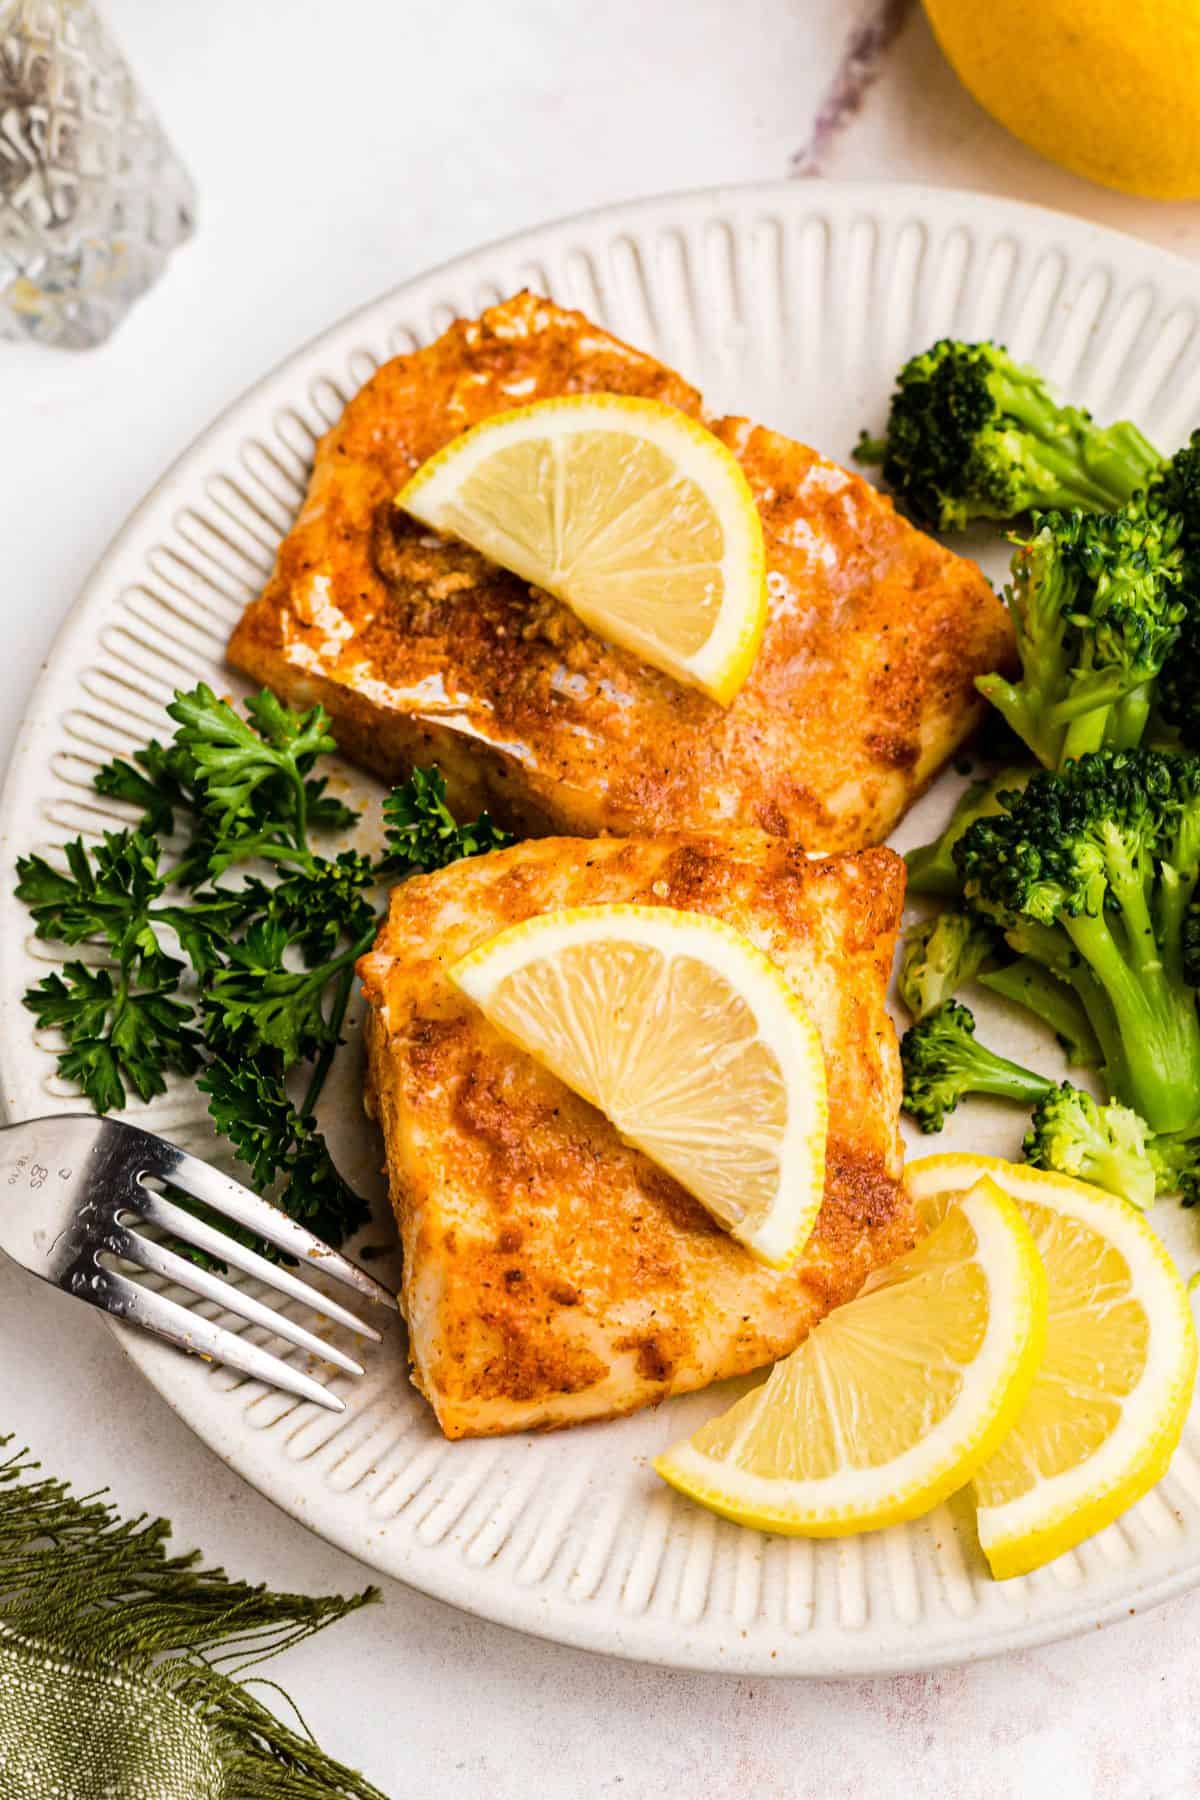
(423, 651)
(552, 1274)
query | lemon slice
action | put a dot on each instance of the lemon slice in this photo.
(689, 1039)
(895, 1399)
(1108, 1405)
(631, 513)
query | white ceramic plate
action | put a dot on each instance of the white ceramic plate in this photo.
(794, 304)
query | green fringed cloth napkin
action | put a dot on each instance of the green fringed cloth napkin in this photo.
(119, 1664)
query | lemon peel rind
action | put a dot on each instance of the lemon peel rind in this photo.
(722, 663)
(1013, 1346)
(1065, 1510)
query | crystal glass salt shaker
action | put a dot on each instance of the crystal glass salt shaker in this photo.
(92, 195)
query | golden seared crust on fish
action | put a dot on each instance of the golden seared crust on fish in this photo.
(552, 1274)
(422, 650)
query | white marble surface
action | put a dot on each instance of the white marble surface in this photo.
(339, 148)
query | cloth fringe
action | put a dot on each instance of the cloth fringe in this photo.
(101, 1594)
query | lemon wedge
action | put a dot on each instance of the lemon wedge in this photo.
(689, 1039)
(1109, 1402)
(895, 1399)
(627, 510)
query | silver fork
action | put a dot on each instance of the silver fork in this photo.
(73, 1190)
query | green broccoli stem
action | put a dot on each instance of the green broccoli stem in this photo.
(1039, 613)
(1160, 1076)
(1103, 1020)
(1103, 716)
(1121, 457)
(1074, 485)
(931, 867)
(988, 1073)
(1088, 731)
(1129, 718)
(1027, 984)
(1129, 883)
(1175, 894)
(1097, 468)
(931, 870)
(1051, 947)
(1024, 707)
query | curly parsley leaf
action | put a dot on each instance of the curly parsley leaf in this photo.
(117, 1037)
(325, 902)
(325, 812)
(158, 780)
(247, 767)
(275, 1140)
(105, 893)
(422, 833)
(256, 998)
(209, 921)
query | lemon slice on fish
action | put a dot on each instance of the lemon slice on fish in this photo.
(1109, 1402)
(628, 511)
(689, 1039)
(895, 1399)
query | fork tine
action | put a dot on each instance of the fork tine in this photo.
(157, 1210)
(126, 1299)
(163, 1261)
(227, 1196)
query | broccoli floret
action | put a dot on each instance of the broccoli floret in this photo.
(943, 1061)
(972, 434)
(1091, 871)
(940, 956)
(1177, 491)
(1175, 1159)
(1113, 1148)
(1096, 606)
(1175, 488)
(1106, 1145)
(1026, 983)
(931, 867)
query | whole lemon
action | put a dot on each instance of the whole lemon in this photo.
(1109, 88)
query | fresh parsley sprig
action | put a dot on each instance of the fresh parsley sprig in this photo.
(422, 832)
(158, 780)
(105, 894)
(118, 1035)
(267, 964)
(258, 1001)
(123, 1023)
(280, 1143)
